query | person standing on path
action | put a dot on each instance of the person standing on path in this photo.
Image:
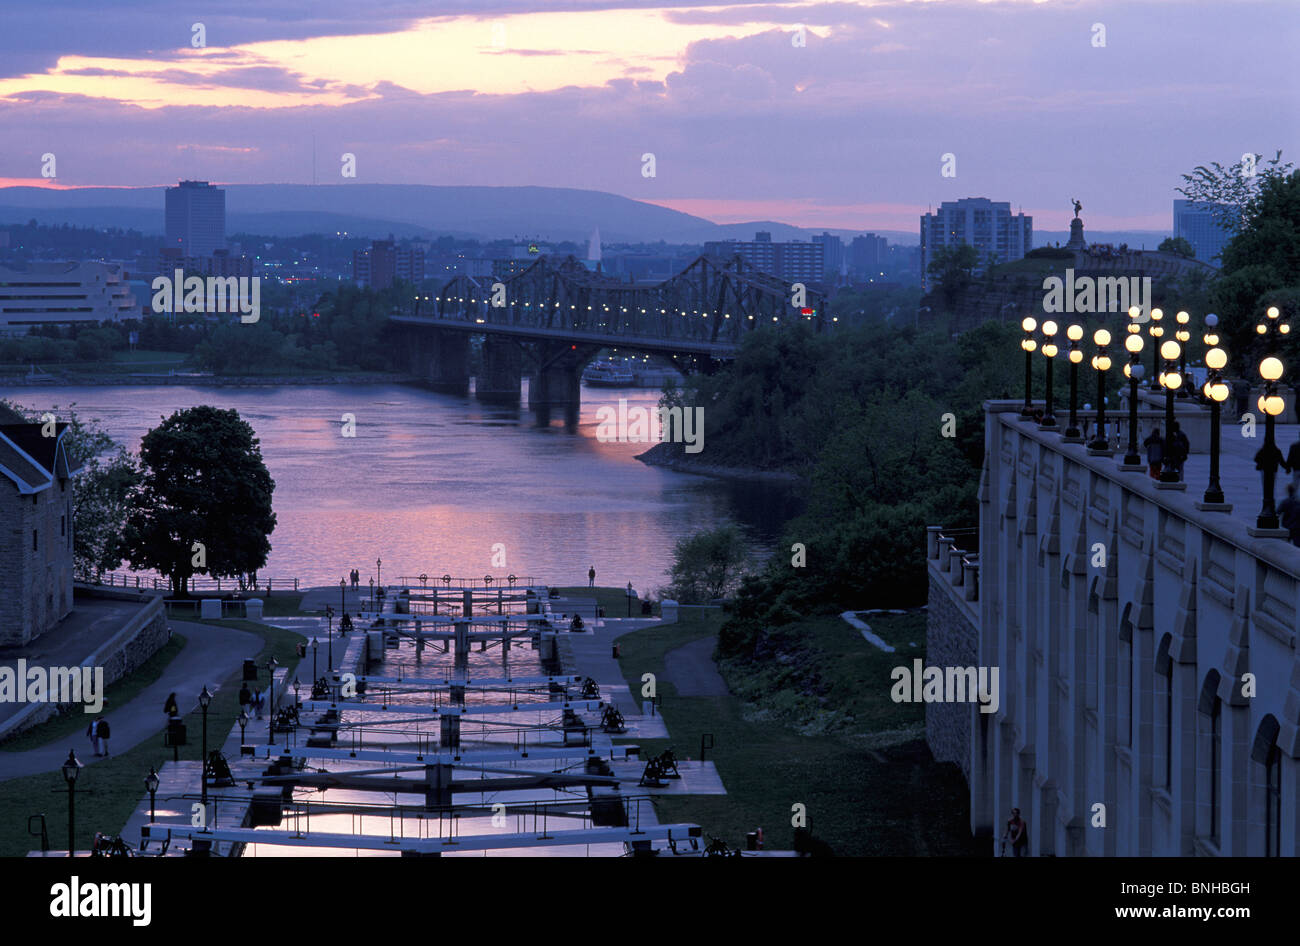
(1178, 448)
(103, 732)
(1293, 462)
(591, 577)
(1017, 833)
(1155, 445)
(92, 733)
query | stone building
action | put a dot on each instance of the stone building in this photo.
(35, 531)
(1150, 698)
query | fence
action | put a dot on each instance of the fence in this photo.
(196, 583)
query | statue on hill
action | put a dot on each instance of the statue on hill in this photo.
(1077, 207)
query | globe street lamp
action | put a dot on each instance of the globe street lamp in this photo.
(1074, 333)
(1270, 405)
(1171, 381)
(1133, 370)
(379, 571)
(151, 786)
(1101, 364)
(1028, 344)
(205, 700)
(343, 596)
(329, 634)
(242, 719)
(71, 769)
(315, 645)
(1157, 332)
(1183, 335)
(1049, 349)
(1216, 392)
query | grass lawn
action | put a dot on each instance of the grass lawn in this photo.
(613, 600)
(117, 694)
(113, 788)
(865, 793)
(279, 605)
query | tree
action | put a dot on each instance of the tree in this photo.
(953, 268)
(708, 565)
(1229, 193)
(101, 504)
(1178, 245)
(204, 501)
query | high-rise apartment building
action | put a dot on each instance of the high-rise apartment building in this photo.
(987, 225)
(384, 262)
(196, 218)
(1195, 223)
(794, 261)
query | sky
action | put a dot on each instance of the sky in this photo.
(818, 114)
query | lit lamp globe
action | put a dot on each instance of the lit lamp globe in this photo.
(1133, 343)
(1216, 391)
(1049, 345)
(1270, 369)
(1271, 405)
(1029, 324)
(1216, 359)
(1102, 360)
(1028, 344)
(1272, 312)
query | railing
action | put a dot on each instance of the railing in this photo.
(148, 582)
(448, 581)
(960, 562)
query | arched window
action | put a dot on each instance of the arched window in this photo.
(1211, 706)
(1266, 752)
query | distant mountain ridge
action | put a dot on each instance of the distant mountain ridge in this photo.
(405, 210)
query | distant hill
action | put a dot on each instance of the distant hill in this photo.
(414, 210)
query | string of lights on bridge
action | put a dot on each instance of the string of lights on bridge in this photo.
(472, 301)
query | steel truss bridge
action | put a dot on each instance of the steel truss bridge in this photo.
(705, 310)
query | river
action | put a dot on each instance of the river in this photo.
(431, 483)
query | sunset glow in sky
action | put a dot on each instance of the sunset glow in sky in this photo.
(846, 130)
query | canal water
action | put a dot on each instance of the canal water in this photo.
(431, 483)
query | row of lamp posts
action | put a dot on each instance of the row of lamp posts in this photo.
(1169, 377)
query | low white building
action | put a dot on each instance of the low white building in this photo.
(63, 293)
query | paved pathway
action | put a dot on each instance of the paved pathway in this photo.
(210, 655)
(691, 670)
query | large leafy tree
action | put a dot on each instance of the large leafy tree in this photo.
(953, 269)
(203, 481)
(708, 565)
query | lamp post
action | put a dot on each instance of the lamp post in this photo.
(1157, 332)
(1101, 364)
(71, 769)
(1183, 335)
(205, 700)
(379, 571)
(343, 596)
(329, 634)
(1049, 350)
(270, 716)
(151, 786)
(1028, 344)
(315, 646)
(1134, 371)
(1171, 381)
(296, 684)
(1271, 405)
(242, 719)
(1216, 392)
(1074, 333)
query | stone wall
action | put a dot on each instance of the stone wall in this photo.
(138, 640)
(952, 640)
(36, 583)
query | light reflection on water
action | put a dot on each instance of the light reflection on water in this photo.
(434, 664)
(432, 482)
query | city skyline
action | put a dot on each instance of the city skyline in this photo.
(851, 128)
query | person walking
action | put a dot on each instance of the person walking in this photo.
(591, 577)
(1267, 459)
(1017, 832)
(1293, 461)
(92, 733)
(1178, 448)
(103, 732)
(1155, 445)
(171, 707)
(1288, 513)
(245, 697)
(257, 703)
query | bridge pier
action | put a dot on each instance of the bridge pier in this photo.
(440, 359)
(558, 387)
(500, 378)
